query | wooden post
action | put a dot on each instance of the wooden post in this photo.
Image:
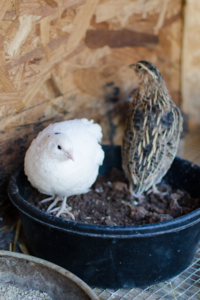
(190, 80)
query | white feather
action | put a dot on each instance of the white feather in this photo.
(49, 171)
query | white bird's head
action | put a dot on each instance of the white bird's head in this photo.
(59, 146)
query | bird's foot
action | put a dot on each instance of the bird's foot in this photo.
(63, 209)
(56, 199)
(139, 197)
(155, 190)
(54, 203)
(47, 199)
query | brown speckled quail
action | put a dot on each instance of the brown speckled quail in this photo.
(152, 131)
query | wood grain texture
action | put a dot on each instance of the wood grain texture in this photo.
(69, 59)
(191, 61)
(118, 38)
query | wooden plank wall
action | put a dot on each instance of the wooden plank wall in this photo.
(69, 59)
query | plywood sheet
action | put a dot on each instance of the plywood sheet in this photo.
(70, 59)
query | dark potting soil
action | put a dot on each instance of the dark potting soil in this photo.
(110, 203)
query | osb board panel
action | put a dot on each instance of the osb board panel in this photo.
(191, 61)
(69, 59)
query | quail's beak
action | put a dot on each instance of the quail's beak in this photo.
(132, 66)
(70, 155)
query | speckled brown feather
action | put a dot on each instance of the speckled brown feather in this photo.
(152, 132)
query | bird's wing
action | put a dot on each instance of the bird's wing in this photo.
(74, 127)
(171, 128)
(151, 144)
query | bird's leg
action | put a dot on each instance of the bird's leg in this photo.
(64, 208)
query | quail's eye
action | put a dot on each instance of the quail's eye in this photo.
(139, 67)
(59, 147)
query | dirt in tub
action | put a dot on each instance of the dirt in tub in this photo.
(109, 202)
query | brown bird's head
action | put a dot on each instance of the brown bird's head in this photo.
(146, 71)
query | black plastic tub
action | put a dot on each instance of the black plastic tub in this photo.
(119, 256)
